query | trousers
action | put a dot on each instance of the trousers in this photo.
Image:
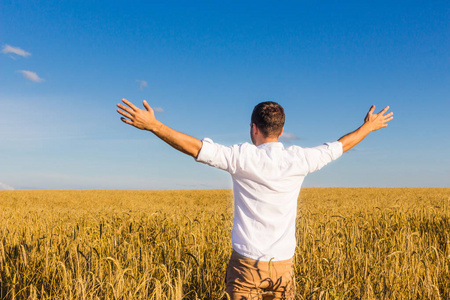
(253, 279)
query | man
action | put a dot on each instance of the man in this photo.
(266, 182)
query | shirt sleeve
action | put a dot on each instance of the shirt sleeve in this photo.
(218, 156)
(319, 156)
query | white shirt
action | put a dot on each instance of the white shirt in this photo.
(266, 184)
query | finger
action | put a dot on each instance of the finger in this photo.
(124, 114)
(389, 115)
(126, 121)
(384, 110)
(133, 107)
(372, 108)
(128, 110)
(146, 105)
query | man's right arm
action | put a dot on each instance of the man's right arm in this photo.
(318, 157)
(372, 122)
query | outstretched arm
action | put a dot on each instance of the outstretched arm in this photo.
(372, 122)
(145, 120)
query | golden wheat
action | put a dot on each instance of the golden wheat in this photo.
(351, 244)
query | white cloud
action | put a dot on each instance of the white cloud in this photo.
(142, 84)
(6, 187)
(31, 76)
(288, 136)
(158, 109)
(16, 50)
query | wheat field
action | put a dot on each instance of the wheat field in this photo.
(352, 243)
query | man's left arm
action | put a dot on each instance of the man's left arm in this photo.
(145, 120)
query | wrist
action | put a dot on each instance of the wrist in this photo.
(366, 128)
(155, 127)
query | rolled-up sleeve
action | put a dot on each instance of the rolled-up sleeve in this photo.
(218, 156)
(319, 156)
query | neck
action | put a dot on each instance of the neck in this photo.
(266, 140)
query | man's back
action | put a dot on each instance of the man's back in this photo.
(266, 181)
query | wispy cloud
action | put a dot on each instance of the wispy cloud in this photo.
(158, 109)
(15, 50)
(31, 76)
(142, 84)
(289, 136)
(6, 187)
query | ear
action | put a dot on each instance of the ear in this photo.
(282, 129)
(255, 129)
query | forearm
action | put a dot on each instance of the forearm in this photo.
(145, 120)
(178, 140)
(372, 122)
(353, 138)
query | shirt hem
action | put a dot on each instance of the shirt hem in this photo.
(261, 258)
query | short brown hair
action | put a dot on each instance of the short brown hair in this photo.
(269, 118)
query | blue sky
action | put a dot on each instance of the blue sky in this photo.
(204, 64)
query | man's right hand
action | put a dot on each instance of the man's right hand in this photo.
(379, 120)
(372, 122)
(139, 118)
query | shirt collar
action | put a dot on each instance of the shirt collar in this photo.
(270, 145)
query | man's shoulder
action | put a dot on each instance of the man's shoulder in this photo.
(245, 145)
(240, 147)
(244, 148)
(294, 148)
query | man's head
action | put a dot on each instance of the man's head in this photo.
(269, 119)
